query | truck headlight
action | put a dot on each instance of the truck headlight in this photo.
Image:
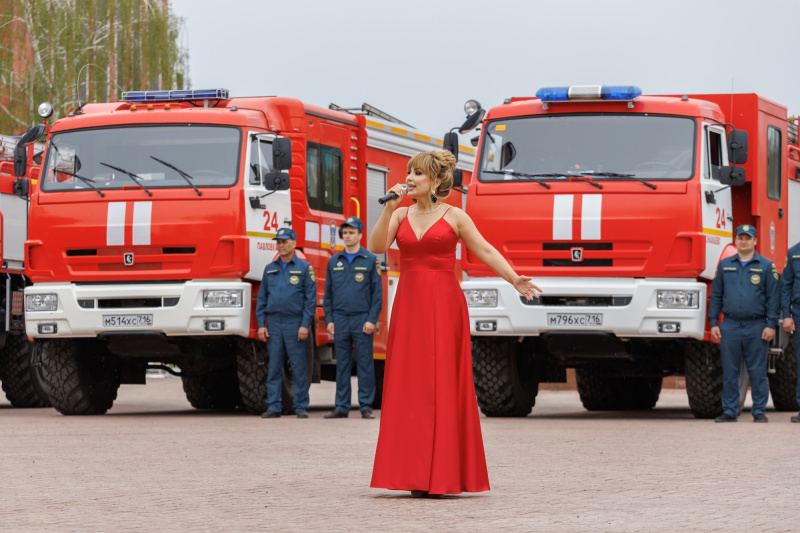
(222, 298)
(678, 299)
(481, 298)
(41, 302)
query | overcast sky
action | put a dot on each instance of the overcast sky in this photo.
(420, 60)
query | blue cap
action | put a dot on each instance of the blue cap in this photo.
(748, 229)
(353, 222)
(285, 233)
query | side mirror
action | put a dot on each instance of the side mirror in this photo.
(472, 121)
(451, 143)
(733, 176)
(737, 147)
(281, 154)
(276, 181)
(458, 178)
(22, 187)
(20, 157)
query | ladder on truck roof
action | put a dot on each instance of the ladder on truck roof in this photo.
(371, 111)
(9, 143)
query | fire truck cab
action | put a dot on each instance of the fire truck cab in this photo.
(620, 207)
(153, 221)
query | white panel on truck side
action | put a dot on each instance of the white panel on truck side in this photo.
(794, 212)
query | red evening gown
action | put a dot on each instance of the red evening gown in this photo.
(430, 434)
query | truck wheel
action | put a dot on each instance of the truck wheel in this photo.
(783, 383)
(380, 368)
(213, 390)
(641, 393)
(81, 375)
(505, 383)
(22, 375)
(251, 370)
(599, 392)
(703, 384)
(252, 366)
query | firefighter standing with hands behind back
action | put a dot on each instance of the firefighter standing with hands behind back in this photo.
(352, 304)
(286, 304)
(790, 305)
(745, 290)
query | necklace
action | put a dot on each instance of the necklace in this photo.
(429, 212)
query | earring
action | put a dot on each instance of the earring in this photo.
(415, 200)
(434, 198)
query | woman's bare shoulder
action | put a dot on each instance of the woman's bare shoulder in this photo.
(402, 213)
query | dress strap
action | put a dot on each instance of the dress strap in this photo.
(446, 210)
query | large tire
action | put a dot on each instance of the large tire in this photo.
(783, 383)
(213, 390)
(251, 370)
(505, 381)
(21, 373)
(703, 384)
(599, 392)
(642, 393)
(252, 367)
(81, 375)
(380, 369)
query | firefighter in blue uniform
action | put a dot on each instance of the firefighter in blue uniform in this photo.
(352, 304)
(284, 311)
(790, 305)
(745, 291)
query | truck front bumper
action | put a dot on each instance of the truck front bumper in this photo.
(169, 308)
(631, 312)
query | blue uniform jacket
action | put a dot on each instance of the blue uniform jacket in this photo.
(745, 293)
(790, 283)
(353, 288)
(289, 292)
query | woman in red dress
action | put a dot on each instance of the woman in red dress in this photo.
(430, 436)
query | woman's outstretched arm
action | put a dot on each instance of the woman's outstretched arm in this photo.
(490, 257)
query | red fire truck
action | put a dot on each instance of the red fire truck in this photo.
(19, 372)
(153, 220)
(620, 206)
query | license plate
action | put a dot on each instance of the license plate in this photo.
(574, 319)
(127, 321)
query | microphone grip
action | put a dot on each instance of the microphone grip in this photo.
(390, 196)
(386, 197)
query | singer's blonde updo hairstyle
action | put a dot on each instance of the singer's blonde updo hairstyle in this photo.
(439, 166)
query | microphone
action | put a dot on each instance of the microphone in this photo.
(391, 196)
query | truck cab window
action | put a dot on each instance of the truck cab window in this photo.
(714, 154)
(312, 175)
(324, 170)
(260, 160)
(774, 145)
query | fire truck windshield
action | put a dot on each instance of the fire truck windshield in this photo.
(604, 146)
(108, 158)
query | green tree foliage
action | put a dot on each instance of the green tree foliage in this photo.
(70, 52)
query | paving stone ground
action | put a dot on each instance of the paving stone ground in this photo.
(155, 464)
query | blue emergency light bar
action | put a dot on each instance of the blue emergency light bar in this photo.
(588, 92)
(175, 96)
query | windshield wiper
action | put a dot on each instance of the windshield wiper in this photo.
(587, 180)
(87, 181)
(133, 176)
(530, 177)
(180, 172)
(629, 177)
